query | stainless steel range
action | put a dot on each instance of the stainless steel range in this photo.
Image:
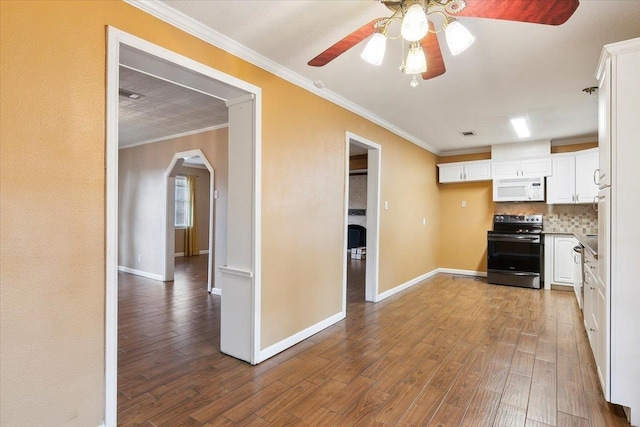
(515, 251)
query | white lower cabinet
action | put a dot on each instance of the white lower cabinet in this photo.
(595, 314)
(559, 260)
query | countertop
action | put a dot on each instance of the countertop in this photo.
(589, 241)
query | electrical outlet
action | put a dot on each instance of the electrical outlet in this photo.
(139, 258)
(464, 203)
(424, 221)
(386, 205)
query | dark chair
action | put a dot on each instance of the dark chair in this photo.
(357, 236)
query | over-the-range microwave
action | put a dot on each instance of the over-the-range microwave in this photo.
(518, 190)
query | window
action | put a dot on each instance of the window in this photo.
(182, 202)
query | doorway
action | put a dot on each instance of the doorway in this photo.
(240, 319)
(216, 254)
(363, 222)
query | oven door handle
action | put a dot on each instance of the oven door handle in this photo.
(513, 238)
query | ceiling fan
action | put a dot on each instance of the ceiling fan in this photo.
(418, 30)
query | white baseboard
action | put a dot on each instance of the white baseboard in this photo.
(405, 285)
(300, 336)
(462, 272)
(202, 252)
(140, 273)
(216, 291)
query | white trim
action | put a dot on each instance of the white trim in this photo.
(111, 234)
(240, 100)
(177, 135)
(116, 40)
(374, 184)
(235, 271)
(406, 285)
(140, 273)
(216, 291)
(299, 336)
(462, 272)
(181, 254)
(201, 31)
(257, 224)
(169, 236)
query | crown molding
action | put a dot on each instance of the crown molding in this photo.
(201, 31)
(177, 135)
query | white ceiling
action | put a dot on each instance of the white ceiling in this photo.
(166, 109)
(513, 69)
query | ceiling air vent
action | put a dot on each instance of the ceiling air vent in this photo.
(129, 94)
(468, 133)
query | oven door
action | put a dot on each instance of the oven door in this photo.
(514, 259)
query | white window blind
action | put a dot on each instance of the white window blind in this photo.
(182, 202)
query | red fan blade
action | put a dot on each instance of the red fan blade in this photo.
(431, 47)
(550, 12)
(344, 45)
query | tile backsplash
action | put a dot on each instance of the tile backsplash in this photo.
(582, 219)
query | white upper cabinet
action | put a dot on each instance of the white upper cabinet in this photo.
(464, 171)
(528, 168)
(604, 125)
(574, 178)
(586, 176)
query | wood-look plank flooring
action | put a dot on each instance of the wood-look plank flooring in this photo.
(451, 351)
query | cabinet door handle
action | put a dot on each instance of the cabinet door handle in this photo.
(595, 203)
(577, 197)
(596, 177)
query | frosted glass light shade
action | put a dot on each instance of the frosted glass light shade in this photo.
(373, 52)
(416, 60)
(458, 37)
(415, 24)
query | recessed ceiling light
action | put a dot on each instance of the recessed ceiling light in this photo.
(521, 127)
(129, 94)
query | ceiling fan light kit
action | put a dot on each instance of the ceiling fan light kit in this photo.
(414, 23)
(419, 31)
(458, 37)
(373, 52)
(416, 61)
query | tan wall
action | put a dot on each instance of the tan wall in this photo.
(202, 209)
(52, 239)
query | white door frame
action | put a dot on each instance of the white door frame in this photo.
(116, 41)
(374, 167)
(169, 215)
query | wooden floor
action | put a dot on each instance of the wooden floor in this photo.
(450, 351)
